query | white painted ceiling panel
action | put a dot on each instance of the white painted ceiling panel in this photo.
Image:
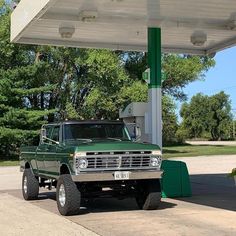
(122, 24)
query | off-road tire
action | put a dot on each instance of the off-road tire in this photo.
(149, 194)
(72, 196)
(30, 189)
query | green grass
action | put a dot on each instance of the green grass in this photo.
(9, 162)
(198, 150)
(174, 151)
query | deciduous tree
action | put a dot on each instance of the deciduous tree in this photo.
(207, 115)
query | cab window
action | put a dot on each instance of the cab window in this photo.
(56, 133)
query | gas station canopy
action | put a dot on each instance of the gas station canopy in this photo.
(188, 26)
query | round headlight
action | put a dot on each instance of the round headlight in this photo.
(83, 163)
(155, 161)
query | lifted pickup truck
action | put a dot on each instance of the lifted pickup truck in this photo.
(89, 159)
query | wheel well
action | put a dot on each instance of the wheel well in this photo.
(27, 165)
(64, 169)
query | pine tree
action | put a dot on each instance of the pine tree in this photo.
(24, 90)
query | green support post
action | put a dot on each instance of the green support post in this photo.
(154, 57)
(154, 93)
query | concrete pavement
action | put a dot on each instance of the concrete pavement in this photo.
(19, 217)
(10, 178)
(221, 143)
(209, 164)
(211, 210)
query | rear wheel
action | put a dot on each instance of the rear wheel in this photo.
(68, 196)
(30, 185)
(149, 194)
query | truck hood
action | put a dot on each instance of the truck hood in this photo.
(115, 146)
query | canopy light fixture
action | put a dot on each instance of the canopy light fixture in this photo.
(198, 38)
(232, 21)
(66, 32)
(88, 16)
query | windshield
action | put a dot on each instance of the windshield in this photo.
(90, 132)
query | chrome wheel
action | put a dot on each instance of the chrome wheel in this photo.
(62, 195)
(25, 185)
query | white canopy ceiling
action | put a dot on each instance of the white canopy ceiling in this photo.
(122, 24)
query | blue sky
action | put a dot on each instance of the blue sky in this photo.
(221, 77)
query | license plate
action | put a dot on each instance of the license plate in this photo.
(121, 175)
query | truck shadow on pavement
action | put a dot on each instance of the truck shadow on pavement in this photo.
(100, 205)
(213, 190)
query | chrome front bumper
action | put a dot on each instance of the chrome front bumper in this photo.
(109, 176)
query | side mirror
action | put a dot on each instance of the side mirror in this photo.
(134, 131)
(43, 134)
(136, 134)
(45, 138)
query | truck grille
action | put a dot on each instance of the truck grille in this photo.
(117, 160)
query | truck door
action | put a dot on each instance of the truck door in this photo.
(51, 157)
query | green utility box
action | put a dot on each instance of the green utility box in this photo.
(175, 181)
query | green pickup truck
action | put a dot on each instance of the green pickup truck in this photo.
(90, 159)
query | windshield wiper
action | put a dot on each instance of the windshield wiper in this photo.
(84, 140)
(87, 140)
(116, 139)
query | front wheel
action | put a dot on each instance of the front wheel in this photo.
(148, 194)
(68, 196)
(30, 185)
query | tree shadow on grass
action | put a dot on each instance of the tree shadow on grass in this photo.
(215, 146)
(168, 151)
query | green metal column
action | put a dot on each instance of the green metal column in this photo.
(154, 93)
(154, 57)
